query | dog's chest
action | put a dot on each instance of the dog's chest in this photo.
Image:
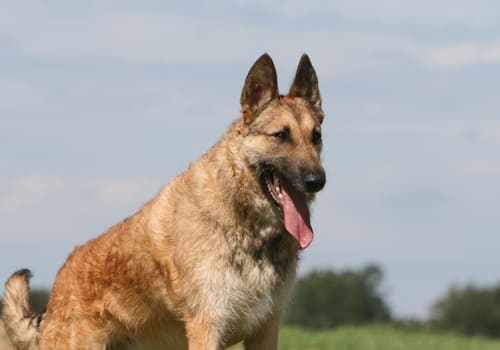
(247, 298)
(254, 284)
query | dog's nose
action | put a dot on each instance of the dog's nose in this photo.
(314, 180)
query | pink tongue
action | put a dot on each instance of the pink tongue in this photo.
(296, 213)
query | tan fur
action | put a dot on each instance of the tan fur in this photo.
(207, 262)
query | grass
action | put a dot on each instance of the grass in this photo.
(378, 338)
(364, 338)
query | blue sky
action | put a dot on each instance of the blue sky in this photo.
(103, 102)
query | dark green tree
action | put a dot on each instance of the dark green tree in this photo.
(469, 310)
(39, 299)
(326, 299)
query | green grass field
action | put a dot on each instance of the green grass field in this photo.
(365, 338)
(378, 338)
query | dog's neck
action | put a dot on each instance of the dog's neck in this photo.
(265, 237)
(224, 192)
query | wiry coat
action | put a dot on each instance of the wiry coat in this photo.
(207, 262)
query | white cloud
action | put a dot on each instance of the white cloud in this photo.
(36, 205)
(437, 13)
(113, 191)
(138, 36)
(146, 38)
(29, 191)
(19, 95)
(464, 54)
(167, 38)
(142, 36)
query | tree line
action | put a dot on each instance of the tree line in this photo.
(326, 299)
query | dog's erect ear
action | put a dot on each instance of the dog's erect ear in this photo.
(261, 86)
(305, 84)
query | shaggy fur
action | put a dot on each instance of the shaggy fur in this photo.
(211, 259)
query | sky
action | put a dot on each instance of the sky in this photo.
(102, 103)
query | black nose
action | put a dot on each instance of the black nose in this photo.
(314, 180)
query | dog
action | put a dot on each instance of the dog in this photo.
(210, 261)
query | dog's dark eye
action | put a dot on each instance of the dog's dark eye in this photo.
(282, 135)
(316, 137)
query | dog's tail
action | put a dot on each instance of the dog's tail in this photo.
(21, 323)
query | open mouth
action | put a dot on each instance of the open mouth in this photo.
(274, 188)
(293, 204)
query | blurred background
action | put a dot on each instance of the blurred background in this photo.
(102, 103)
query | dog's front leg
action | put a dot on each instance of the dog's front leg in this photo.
(266, 338)
(202, 336)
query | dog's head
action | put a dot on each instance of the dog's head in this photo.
(283, 140)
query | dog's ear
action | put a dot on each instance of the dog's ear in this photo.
(305, 85)
(261, 86)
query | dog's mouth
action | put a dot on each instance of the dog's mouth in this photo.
(293, 204)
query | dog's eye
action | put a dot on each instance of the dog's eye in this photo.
(282, 135)
(316, 137)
